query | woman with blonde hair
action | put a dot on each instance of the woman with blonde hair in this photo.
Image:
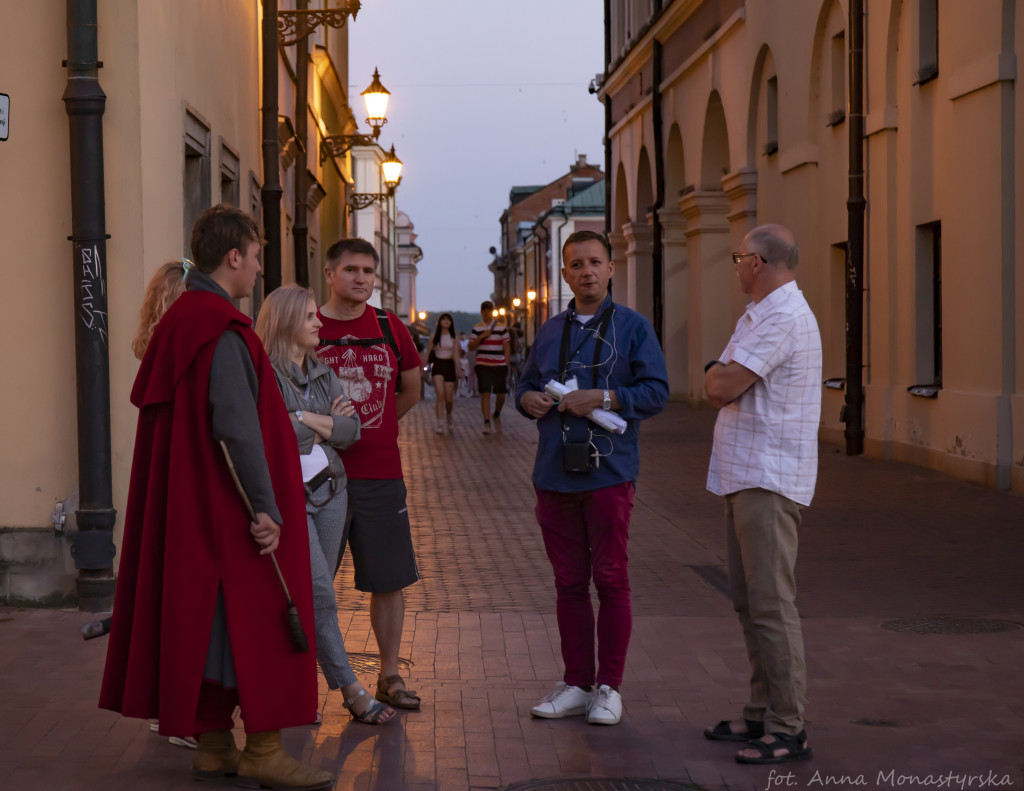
(165, 286)
(324, 421)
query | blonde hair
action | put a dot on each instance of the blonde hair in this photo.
(280, 316)
(166, 286)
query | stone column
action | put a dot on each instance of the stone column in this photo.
(621, 276)
(675, 296)
(711, 281)
(741, 190)
(640, 267)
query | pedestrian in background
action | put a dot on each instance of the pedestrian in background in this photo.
(764, 461)
(325, 423)
(584, 475)
(490, 340)
(446, 354)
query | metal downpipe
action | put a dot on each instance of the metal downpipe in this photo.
(84, 102)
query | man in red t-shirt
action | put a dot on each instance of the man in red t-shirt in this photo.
(370, 350)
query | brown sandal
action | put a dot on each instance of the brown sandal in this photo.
(399, 698)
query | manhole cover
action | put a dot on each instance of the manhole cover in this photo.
(942, 625)
(602, 784)
(370, 663)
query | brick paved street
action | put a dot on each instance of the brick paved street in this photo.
(882, 541)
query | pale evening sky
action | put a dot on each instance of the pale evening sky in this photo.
(485, 94)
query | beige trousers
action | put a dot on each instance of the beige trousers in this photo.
(762, 538)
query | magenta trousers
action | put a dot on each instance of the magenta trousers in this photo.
(586, 535)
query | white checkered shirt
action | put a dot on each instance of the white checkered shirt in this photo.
(768, 437)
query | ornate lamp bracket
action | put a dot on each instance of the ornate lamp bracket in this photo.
(360, 200)
(293, 26)
(337, 145)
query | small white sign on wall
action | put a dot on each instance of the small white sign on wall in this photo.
(5, 115)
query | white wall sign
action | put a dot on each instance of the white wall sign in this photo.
(5, 114)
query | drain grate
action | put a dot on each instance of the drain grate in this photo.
(876, 723)
(602, 784)
(943, 625)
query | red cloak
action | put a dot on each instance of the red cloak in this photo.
(187, 534)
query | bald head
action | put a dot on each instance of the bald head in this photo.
(775, 243)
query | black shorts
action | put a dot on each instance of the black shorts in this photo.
(445, 368)
(492, 378)
(379, 536)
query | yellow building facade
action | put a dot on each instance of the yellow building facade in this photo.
(181, 131)
(725, 114)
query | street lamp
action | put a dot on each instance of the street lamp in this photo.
(376, 100)
(423, 315)
(375, 97)
(392, 170)
(516, 302)
(531, 295)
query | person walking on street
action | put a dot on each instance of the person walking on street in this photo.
(764, 461)
(445, 351)
(584, 475)
(325, 423)
(196, 625)
(375, 358)
(490, 340)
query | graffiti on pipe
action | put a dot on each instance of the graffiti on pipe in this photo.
(93, 310)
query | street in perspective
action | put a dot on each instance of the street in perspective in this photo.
(913, 632)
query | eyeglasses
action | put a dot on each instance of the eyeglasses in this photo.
(738, 257)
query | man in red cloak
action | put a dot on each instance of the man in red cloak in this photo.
(199, 616)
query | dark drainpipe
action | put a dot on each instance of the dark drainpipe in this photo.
(607, 116)
(853, 410)
(299, 229)
(271, 192)
(657, 249)
(84, 102)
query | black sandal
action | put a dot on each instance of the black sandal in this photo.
(795, 746)
(723, 732)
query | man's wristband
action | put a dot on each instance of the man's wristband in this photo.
(711, 364)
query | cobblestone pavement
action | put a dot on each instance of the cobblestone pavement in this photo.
(888, 709)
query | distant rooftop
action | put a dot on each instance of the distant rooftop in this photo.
(592, 198)
(517, 194)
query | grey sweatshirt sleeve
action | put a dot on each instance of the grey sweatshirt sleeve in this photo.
(233, 392)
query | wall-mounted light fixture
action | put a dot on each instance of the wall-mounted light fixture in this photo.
(375, 97)
(392, 169)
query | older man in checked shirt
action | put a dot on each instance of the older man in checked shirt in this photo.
(765, 462)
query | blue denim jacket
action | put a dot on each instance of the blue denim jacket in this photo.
(630, 363)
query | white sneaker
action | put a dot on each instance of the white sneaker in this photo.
(605, 707)
(487, 427)
(440, 428)
(565, 701)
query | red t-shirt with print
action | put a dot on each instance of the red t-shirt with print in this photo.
(367, 375)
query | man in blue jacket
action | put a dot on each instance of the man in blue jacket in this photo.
(584, 475)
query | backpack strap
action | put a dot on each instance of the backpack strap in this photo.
(387, 336)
